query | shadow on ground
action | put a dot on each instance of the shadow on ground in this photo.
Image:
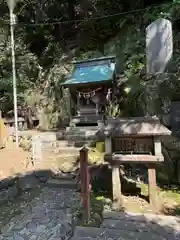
(32, 185)
(16, 192)
(135, 197)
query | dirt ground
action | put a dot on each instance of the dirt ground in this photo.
(13, 161)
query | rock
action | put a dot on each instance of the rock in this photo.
(25, 143)
(9, 193)
(27, 182)
(107, 208)
(5, 183)
(60, 135)
(43, 176)
(68, 164)
(12, 191)
(97, 218)
(108, 201)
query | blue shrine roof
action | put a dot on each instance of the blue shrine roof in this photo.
(92, 71)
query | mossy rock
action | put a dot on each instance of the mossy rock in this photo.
(25, 143)
(100, 146)
(95, 157)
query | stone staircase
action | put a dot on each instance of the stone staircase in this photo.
(56, 142)
(70, 141)
(130, 226)
(81, 136)
(61, 146)
(67, 181)
(81, 133)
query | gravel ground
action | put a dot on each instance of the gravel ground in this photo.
(45, 217)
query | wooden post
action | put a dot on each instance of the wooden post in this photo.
(116, 186)
(152, 186)
(85, 183)
(153, 199)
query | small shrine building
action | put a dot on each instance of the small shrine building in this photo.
(90, 86)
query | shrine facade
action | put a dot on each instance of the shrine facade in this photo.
(90, 86)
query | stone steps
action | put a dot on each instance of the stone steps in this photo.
(62, 183)
(72, 139)
(80, 133)
(61, 147)
(58, 144)
(68, 150)
(85, 118)
(64, 145)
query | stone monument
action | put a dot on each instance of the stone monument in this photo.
(159, 45)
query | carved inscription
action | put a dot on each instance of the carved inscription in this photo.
(133, 145)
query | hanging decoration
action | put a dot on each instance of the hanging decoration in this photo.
(88, 95)
(109, 94)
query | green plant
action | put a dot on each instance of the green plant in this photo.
(113, 109)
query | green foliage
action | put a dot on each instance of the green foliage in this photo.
(26, 68)
(43, 53)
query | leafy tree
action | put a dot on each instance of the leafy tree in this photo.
(44, 50)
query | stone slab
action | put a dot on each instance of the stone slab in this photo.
(102, 234)
(62, 183)
(165, 226)
(140, 217)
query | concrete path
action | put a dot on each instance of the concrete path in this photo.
(129, 226)
(47, 217)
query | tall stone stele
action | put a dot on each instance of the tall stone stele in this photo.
(159, 46)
